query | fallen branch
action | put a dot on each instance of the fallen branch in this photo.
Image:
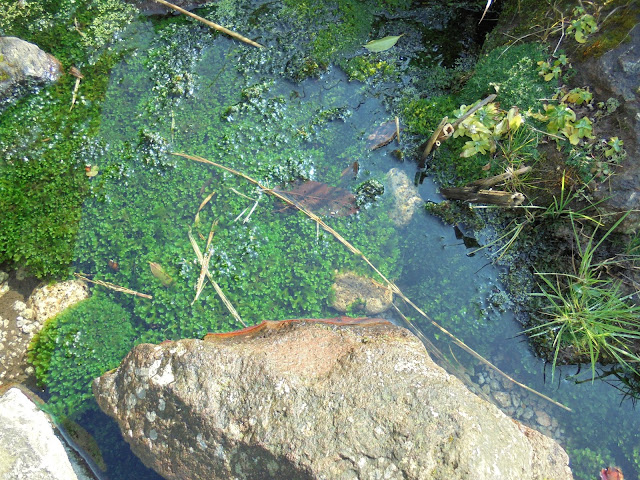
(475, 192)
(215, 26)
(493, 197)
(393, 287)
(491, 181)
(112, 286)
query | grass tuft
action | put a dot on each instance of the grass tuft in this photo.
(587, 310)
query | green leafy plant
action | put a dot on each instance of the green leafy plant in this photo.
(587, 311)
(583, 26)
(578, 96)
(549, 71)
(615, 147)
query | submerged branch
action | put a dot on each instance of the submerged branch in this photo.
(215, 26)
(392, 286)
(113, 286)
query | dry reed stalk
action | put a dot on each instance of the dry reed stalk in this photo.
(196, 220)
(217, 288)
(112, 286)
(392, 286)
(215, 26)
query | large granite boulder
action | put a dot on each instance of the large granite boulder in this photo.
(29, 449)
(24, 66)
(314, 400)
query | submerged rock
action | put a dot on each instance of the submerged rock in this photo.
(22, 67)
(314, 400)
(406, 198)
(29, 449)
(359, 293)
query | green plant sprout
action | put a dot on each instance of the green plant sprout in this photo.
(550, 71)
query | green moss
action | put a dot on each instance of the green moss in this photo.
(78, 345)
(423, 116)
(42, 176)
(614, 31)
(513, 73)
(361, 68)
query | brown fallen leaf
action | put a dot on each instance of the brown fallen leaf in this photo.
(383, 135)
(322, 199)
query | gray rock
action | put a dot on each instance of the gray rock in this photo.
(23, 66)
(29, 449)
(27, 319)
(311, 400)
(616, 74)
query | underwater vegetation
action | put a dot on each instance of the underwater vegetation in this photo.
(76, 346)
(296, 112)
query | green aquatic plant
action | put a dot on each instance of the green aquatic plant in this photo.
(587, 311)
(77, 346)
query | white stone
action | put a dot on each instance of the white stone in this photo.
(29, 449)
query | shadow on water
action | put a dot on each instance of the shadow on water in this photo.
(180, 90)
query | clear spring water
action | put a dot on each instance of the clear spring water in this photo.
(181, 89)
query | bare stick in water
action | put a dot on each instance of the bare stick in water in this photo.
(215, 26)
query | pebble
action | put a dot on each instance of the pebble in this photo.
(503, 399)
(528, 413)
(543, 418)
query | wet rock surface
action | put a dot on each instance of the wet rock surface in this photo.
(24, 66)
(617, 74)
(29, 449)
(360, 293)
(523, 406)
(21, 318)
(304, 399)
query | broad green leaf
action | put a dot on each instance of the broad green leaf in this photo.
(382, 44)
(501, 128)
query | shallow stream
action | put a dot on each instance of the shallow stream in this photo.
(180, 88)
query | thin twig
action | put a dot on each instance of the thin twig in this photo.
(215, 26)
(393, 287)
(217, 288)
(113, 286)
